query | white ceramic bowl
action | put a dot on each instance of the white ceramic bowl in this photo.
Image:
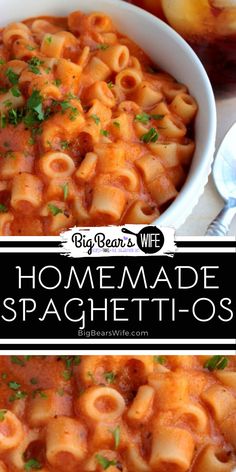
(171, 53)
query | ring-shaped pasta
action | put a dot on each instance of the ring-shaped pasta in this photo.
(116, 57)
(102, 403)
(15, 31)
(129, 79)
(56, 164)
(142, 213)
(11, 431)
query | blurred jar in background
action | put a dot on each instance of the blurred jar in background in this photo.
(210, 28)
(154, 6)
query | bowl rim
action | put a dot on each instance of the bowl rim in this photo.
(194, 186)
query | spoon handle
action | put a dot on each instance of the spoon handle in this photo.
(221, 224)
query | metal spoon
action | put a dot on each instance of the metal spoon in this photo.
(224, 176)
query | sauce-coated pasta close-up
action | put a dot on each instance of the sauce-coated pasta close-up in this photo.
(91, 131)
(118, 413)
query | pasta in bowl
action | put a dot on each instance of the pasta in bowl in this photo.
(118, 413)
(92, 132)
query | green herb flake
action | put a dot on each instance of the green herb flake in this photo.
(31, 141)
(39, 392)
(157, 117)
(2, 62)
(109, 377)
(104, 462)
(116, 124)
(7, 103)
(142, 118)
(14, 385)
(150, 137)
(110, 85)
(3, 208)
(33, 381)
(104, 132)
(34, 64)
(17, 396)
(159, 359)
(54, 209)
(65, 189)
(67, 374)
(48, 39)
(57, 82)
(103, 46)
(17, 360)
(31, 48)
(32, 464)
(3, 120)
(34, 103)
(216, 363)
(64, 145)
(15, 116)
(96, 119)
(116, 436)
(12, 77)
(15, 91)
(2, 414)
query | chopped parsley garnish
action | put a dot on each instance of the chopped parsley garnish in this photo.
(35, 104)
(64, 145)
(216, 363)
(34, 64)
(110, 85)
(17, 396)
(2, 62)
(54, 209)
(7, 103)
(33, 381)
(39, 392)
(159, 359)
(157, 117)
(67, 374)
(12, 77)
(14, 385)
(104, 132)
(57, 82)
(15, 116)
(65, 189)
(116, 436)
(104, 462)
(116, 124)
(109, 377)
(3, 90)
(150, 137)
(48, 39)
(3, 208)
(15, 91)
(3, 120)
(17, 360)
(96, 119)
(32, 464)
(2, 414)
(103, 47)
(31, 48)
(145, 117)
(31, 141)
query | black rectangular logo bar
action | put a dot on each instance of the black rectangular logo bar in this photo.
(48, 296)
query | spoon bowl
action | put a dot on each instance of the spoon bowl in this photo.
(224, 176)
